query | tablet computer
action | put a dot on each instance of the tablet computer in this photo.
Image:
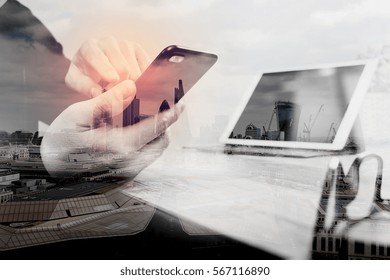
(302, 108)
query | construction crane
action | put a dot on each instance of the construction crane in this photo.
(308, 127)
(270, 121)
(269, 125)
(332, 128)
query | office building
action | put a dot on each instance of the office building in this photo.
(131, 115)
(7, 176)
(5, 195)
(252, 132)
(179, 92)
(164, 106)
(288, 114)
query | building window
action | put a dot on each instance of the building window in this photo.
(381, 251)
(337, 244)
(330, 244)
(359, 248)
(323, 243)
(373, 249)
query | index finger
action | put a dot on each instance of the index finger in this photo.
(136, 58)
(142, 57)
(91, 58)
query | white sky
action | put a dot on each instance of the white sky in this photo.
(248, 36)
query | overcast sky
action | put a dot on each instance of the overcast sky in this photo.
(248, 36)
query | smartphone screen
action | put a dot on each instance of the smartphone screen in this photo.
(167, 79)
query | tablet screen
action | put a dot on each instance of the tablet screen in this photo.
(299, 106)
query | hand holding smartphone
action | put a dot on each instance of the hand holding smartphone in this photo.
(167, 79)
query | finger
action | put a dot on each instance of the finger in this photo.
(90, 55)
(111, 49)
(79, 82)
(115, 99)
(128, 50)
(136, 56)
(142, 57)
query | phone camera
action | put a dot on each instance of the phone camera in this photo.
(176, 58)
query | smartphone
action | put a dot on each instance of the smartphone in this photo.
(167, 79)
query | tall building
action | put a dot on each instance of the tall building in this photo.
(288, 114)
(164, 106)
(179, 92)
(131, 115)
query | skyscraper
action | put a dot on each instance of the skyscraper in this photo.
(164, 106)
(288, 114)
(131, 113)
(179, 92)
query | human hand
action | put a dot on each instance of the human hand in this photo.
(85, 126)
(101, 64)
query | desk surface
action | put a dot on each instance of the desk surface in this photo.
(267, 202)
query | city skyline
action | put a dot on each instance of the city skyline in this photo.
(135, 111)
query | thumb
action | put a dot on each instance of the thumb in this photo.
(116, 99)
